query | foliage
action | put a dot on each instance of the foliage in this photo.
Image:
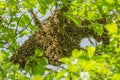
(100, 62)
(92, 66)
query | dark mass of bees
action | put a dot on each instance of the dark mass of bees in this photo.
(56, 38)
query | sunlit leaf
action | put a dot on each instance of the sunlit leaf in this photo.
(110, 1)
(76, 53)
(90, 51)
(43, 7)
(76, 20)
(37, 77)
(112, 28)
(2, 4)
(116, 76)
(106, 71)
(65, 59)
(18, 75)
(73, 68)
(1, 57)
(90, 65)
(93, 16)
(61, 74)
(23, 33)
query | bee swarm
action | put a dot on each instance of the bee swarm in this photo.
(57, 38)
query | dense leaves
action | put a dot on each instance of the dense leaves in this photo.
(104, 66)
(100, 62)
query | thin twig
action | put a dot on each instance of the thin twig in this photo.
(24, 28)
(16, 30)
(91, 42)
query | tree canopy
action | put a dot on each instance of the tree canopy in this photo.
(55, 40)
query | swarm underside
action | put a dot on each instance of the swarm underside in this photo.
(57, 38)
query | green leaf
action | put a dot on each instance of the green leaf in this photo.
(36, 65)
(42, 61)
(12, 25)
(73, 68)
(98, 28)
(2, 12)
(61, 74)
(93, 15)
(112, 28)
(49, 77)
(29, 4)
(37, 77)
(26, 18)
(110, 1)
(23, 33)
(43, 7)
(38, 52)
(11, 76)
(32, 27)
(40, 70)
(16, 19)
(76, 53)
(91, 65)
(116, 76)
(90, 51)
(4, 54)
(65, 60)
(75, 19)
(1, 57)
(2, 4)
(84, 57)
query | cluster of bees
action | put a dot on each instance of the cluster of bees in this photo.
(57, 38)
